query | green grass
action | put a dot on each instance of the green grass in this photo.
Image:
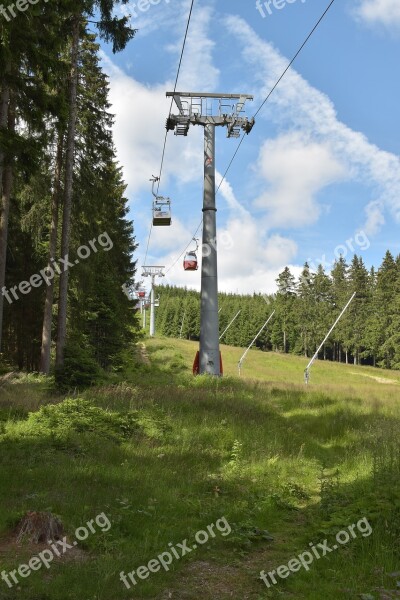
(164, 455)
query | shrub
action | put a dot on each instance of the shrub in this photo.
(76, 415)
(80, 369)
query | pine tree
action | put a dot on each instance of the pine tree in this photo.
(358, 310)
(323, 299)
(391, 345)
(48, 306)
(119, 33)
(284, 302)
(340, 295)
(28, 61)
(386, 284)
(305, 309)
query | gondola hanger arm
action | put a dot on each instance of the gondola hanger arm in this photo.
(154, 179)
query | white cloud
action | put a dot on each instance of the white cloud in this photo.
(140, 115)
(141, 112)
(383, 12)
(163, 15)
(226, 191)
(197, 65)
(252, 260)
(296, 169)
(252, 257)
(238, 271)
(299, 106)
(375, 219)
(293, 168)
(173, 237)
(248, 259)
(280, 250)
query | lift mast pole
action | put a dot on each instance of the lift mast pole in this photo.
(209, 111)
(152, 309)
(152, 272)
(209, 320)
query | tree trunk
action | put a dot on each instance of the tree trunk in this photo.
(48, 306)
(69, 174)
(347, 358)
(4, 102)
(284, 342)
(7, 181)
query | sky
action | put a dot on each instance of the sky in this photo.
(319, 174)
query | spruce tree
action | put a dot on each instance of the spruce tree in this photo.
(119, 33)
(284, 302)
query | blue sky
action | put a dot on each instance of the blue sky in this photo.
(320, 172)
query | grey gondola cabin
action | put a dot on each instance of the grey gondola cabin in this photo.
(161, 212)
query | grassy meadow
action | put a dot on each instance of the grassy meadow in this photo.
(164, 455)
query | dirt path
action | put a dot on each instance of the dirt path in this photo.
(378, 379)
(142, 352)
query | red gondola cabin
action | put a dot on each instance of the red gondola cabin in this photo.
(190, 262)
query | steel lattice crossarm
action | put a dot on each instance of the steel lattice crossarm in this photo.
(152, 271)
(205, 109)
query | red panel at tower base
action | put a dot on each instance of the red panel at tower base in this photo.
(196, 364)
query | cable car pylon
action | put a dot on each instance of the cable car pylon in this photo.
(209, 111)
(152, 272)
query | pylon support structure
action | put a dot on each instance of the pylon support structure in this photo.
(308, 367)
(153, 272)
(231, 323)
(209, 111)
(255, 339)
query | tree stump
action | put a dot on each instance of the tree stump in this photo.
(39, 527)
